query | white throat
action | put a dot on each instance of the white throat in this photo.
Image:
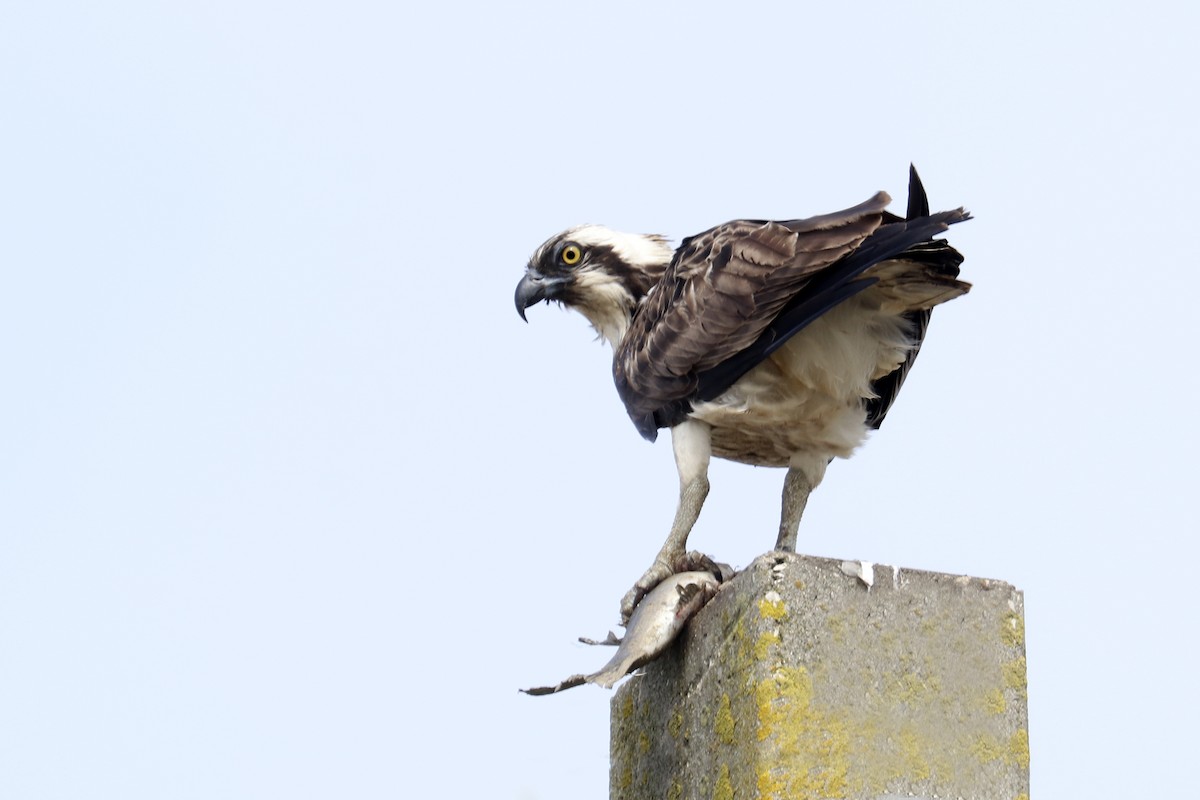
(609, 305)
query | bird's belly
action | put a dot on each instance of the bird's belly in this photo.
(808, 397)
(768, 434)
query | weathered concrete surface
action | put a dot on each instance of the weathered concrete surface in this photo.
(799, 681)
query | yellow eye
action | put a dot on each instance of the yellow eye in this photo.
(571, 255)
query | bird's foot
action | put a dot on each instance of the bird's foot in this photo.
(695, 561)
(661, 569)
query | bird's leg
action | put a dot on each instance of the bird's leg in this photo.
(692, 443)
(691, 499)
(804, 473)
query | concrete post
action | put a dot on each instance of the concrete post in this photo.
(814, 678)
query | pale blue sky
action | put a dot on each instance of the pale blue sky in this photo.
(291, 502)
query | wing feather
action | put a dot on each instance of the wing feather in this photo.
(734, 294)
(721, 291)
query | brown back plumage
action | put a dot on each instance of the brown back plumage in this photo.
(735, 293)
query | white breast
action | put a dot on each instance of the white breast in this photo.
(808, 398)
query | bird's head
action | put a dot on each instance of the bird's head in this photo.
(601, 273)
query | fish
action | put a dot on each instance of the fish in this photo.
(655, 623)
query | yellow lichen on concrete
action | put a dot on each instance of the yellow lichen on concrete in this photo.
(724, 726)
(912, 753)
(772, 609)
(1018, 749)
(987, 749)
(675, 792)
(765, 641)
(631, 745)
(812, 746)
(739, 630)
(675, 724)
(1014, 675)
(994, 702)
(1014, 751)
(911, 689)
(837, 627)
(626, 779)
(943, 763)
(627, 708)
(723, 789)
(1012, 630)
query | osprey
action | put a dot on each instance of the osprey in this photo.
(778, 344)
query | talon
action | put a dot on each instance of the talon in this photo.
(695, 561)
(659, 571)
(628, 603)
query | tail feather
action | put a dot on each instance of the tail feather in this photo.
(926, 275)
(918, 203)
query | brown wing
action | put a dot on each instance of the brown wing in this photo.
(722, 290)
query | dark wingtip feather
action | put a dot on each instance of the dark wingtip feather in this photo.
(646, 425)
(918, 203)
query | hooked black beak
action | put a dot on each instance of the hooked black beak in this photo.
(534, 287)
